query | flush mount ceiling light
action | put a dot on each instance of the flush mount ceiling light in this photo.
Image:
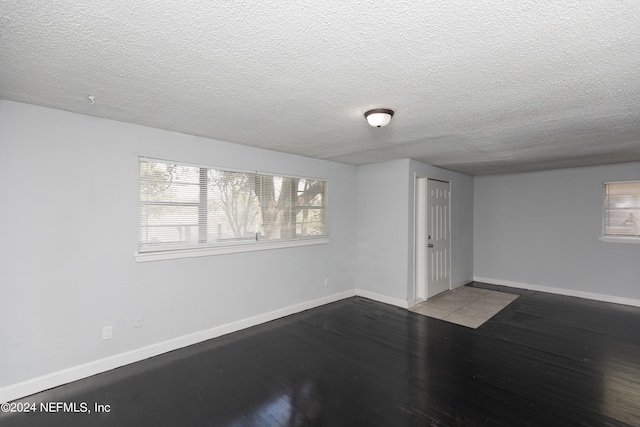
(378, 117)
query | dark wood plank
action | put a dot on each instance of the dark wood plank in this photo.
(546, 360)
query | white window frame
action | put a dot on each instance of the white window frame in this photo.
(612, 238)
(237, 247)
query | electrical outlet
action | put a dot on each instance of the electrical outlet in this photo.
(107, 332)
(138, 320)
(326, 282)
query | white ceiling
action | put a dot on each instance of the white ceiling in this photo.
(479, 87)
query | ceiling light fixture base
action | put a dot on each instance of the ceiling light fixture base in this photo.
(379, 117)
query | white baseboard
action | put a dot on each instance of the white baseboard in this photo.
(459, 284)
(55, 379)
(382, 298)
(561, 291)
(453, 286)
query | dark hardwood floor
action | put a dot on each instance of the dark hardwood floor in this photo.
(545, 360)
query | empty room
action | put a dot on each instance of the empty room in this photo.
(319, 213)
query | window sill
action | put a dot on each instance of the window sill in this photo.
(196, 253)
(617, 239)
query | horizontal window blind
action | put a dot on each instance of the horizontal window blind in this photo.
(622, 208)
(185, 207)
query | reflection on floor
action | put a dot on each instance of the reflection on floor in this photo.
(466, 306)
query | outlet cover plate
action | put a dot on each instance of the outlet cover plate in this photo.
(107, 332)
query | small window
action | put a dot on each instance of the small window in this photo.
(193, 207)
(622, 209)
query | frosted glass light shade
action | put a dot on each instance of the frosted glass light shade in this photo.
(378, 117)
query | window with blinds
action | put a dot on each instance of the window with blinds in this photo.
(189, 207)
(622, 208)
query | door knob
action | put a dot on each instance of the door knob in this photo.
(430, 245)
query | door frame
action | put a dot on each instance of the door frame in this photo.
(420, 201)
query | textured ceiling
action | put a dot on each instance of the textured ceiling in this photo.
(478, 87)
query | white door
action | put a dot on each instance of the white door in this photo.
(433, 263)
(438, 237)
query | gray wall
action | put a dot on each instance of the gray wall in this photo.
(69, 232)
(386, 198)
(383, 222)
(542, 229)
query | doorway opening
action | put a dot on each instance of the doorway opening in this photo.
(433, 238)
